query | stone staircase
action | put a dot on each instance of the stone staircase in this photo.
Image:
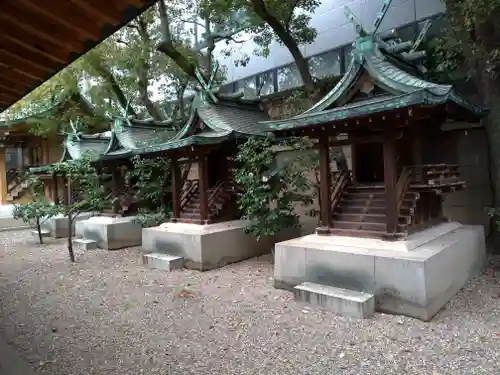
(361, 212)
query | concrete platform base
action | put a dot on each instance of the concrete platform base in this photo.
(206, 247)
(416, 277)
(110, 233)
(58, 225)
(84, 245)
(162, 261)
(340, 301)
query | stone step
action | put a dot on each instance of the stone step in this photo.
(343, 302)
(84, 244)
(162, 261)
(44, 232)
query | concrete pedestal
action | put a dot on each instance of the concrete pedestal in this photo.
(110, 233)
(416, 277)
(58, 225)
(206, 247)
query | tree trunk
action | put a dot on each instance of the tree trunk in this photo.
(142, 76)
(259, 7)
(39, 230)
(70, 238)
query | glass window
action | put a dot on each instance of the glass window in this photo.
(226, 89)
(347, 55)
(248, 86)
(266, 84)
(325, 65)
(288, 77)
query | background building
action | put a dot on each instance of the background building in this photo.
(329, 53)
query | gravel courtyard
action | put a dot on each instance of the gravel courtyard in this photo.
(107, 314)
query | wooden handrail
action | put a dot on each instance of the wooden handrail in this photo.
(191, 188)
(338, 189)
(215, 192)
(402, 185)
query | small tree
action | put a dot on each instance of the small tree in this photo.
(85, 193)
(38, 210)
(150, 178)
(270, 192)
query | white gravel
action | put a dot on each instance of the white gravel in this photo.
(109, 315)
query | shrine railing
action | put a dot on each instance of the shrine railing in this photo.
(190, 188)
(339, 184)
(215, 191)
(434, 175)
(403, 185)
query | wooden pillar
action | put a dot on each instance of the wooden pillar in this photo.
(203, 175)
(325, 183)
(3, 178)
(55, 189)
(390, 182)
(176, 189)
(116, 177)
(65, 190)
(45, 161)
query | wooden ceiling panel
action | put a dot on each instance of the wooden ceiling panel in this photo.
(43, 36)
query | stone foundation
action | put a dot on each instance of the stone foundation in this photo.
(58, 225)
(206, 247)
(110, 233)
(416, 277)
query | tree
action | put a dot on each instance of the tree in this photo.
(471, 46)
(38, 210)
(286, 22)
(151, 182)
(85, 193)
(270, 192)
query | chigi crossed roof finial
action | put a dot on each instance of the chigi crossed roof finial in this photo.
(206, 87)
(366, 38)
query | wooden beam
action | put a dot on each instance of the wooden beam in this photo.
(26, 57)
(390, 181)
(11, 89)
(7, 97)
(37, 26)
(13, 78)
(32, 44)
(104, 13)
(325, 183)
(203, 176)
(176, 189)
(63, 13)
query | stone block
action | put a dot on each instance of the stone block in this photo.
(343, 302)
(162, 261)
(44, 233)
(206, 247)
(58, 225)
(110, 233)
(84, 245)
(416, 277)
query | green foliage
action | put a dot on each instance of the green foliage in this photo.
(270, 192)
(38, 210)
(150, 179)
(87, 193)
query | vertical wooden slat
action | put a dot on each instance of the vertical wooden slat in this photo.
(176, 189)
(55, 189)
(390, 181)
(325, 182)
(203, 175)
(3, 178)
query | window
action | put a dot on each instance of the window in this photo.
(248, 86)
(347, 55)
(226, 89)
(288, 77)
(265, 83)
(325, 65)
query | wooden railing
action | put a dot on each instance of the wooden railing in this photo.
(215, 191)
(403, 185)
(190, 188)
(339, 185)
(434, 174)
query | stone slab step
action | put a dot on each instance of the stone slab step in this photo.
(162, 261)
(84, 244)
(44, 232)
(343, 302)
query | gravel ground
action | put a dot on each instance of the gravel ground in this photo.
(107, 314)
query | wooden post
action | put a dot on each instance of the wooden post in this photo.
(116, 177)
(325, 183)
(3, 178)
(45, 161)
(203, 175)
(390, 181)
(66, 191)
(55, 189)
(176, 189)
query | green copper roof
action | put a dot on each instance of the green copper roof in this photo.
(393, 72)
